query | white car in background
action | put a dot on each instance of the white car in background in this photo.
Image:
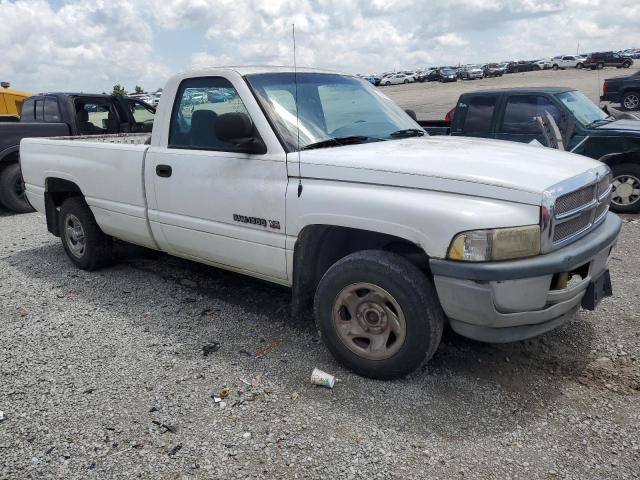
(567, 61)
(542, 64)
(396, 79)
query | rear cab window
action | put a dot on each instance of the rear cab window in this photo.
(474, 114)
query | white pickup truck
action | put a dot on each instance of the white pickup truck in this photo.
(319, 182)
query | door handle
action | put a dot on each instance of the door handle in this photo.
(163, 171)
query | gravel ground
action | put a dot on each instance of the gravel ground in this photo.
(103, 376)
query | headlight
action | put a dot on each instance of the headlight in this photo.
(496, 244)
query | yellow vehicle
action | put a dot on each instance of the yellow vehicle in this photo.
(11, 100)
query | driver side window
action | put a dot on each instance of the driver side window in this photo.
(200, 104)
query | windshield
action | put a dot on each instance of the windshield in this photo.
(585, 111)
(329, 106)
(447, 71)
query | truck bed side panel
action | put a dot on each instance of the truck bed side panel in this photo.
(109, 176)
(11, 133)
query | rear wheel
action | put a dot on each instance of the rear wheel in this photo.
(579, 66)
(556, 67)
(630, 101)
(625, 197)
(600, 66)
(83, 241)
(378, 314)
(626, 64)
(12, 194)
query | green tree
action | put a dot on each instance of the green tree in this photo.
(139, 89)
(119, 90)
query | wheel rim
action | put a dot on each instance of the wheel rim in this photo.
(74, 236)
(631, 101)
(626, 190)
(369, 321)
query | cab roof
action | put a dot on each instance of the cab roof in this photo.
(552, 90)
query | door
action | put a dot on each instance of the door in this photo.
(212, 202)
(519, 120)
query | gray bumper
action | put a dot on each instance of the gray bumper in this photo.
(513, 300)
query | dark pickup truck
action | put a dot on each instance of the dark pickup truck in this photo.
(511, 114)
(623, 90)
(63, 114)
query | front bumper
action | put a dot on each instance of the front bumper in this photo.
(514, 300)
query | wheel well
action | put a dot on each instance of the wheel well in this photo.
(57, 190)
(617, 158)
(320, 246)
(9, 158)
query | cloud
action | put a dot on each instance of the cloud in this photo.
(451, 40)
(91, 44)
(83, 46)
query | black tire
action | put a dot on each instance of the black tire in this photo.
(555, 67)
(97, 250)
(626, 64)
(579, 66)
(405, 81)
(630, 101)
(626, 171)
(12, 193)
(600, 66)
(408, 287)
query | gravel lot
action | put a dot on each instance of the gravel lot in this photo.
(431, 101)
(103, 376)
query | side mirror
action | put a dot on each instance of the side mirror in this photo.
(412, 114)
(237, 128)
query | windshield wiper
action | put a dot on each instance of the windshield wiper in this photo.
(407, 132)
(338, 142)
(593, 124)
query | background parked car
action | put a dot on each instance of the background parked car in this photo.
(567, 61)
(623, 90)
(471, 72)
(443, 75)
(520, 66)
(541, 64)
(396, 79)
(493, 70)
(607, 59)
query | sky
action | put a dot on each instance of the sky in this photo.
(90, 45)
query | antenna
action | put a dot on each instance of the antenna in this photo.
(295, 81)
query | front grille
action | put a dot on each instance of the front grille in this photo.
(579, 211)
(575, 200)
(572, 227)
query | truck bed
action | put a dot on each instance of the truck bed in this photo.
(110, 169)
(119, 138)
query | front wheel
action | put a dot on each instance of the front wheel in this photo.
(600, 66)
(556, 67)
(378, 314)
(625, 197)
(626, 64)
(406, 81)
(83, 241)
(630, 101)
(579, 66)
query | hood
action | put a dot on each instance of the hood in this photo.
(486, 168)
(622, 125)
